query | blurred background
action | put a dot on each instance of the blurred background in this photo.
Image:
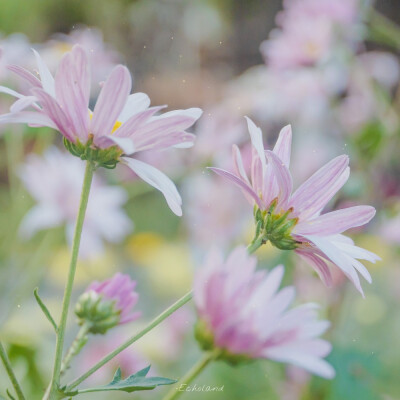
(332, 72)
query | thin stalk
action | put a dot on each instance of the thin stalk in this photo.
(70, 281)
(176, 392)
(156, 321)
(75, 348)
(10, 372)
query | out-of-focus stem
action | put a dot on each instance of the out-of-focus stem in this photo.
(10, 372)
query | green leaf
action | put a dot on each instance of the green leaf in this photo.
(45, 310)
(10, 396)
(131, 384)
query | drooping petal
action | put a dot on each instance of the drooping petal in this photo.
(284, 144)
(337, 258)
(111, 101)
(318, 264)
(336, 221)
(316, 191)
(157, 179)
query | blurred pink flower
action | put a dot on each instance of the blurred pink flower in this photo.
(55, 182)
(208, 219)
(118, 119)
(102, 58)
(246, 315)
(317, 238)
(308, 31)
(121, 290)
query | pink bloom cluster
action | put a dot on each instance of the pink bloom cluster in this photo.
(319, 237)
(247, 315)
(307, 31)
(121, 290)
(118, 120)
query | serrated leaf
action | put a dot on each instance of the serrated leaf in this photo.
(133, 383)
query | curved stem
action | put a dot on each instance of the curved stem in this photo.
(70, 281)
(176, 392)
(10, 372)
(178, 304)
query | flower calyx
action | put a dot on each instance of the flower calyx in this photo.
(275, 227)
(106, 158)
(97, 312)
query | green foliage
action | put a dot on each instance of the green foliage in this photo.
(131, 384)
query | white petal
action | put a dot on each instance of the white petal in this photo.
(157, 179)
(136, 103)
(256, 140)
(126, 144)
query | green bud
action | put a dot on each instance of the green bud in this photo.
(97, 312)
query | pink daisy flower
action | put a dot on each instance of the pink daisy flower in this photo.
(120, 125)
(293, 220)
(242, 313)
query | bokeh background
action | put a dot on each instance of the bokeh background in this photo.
(344, 98)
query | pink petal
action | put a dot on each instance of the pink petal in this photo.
(316, 191)
(25, 74)
(238, 164)
(242, 185)
(157, 179)
(56, 113)
(28, 117)
(283, 177)
(72, 85)
(111, 101)
(283, 145)
(256, 140)
(336, 221)
(318, 264)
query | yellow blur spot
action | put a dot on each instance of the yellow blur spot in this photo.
(377, 246)
(96, 268)
(168, 264)
(370, 310)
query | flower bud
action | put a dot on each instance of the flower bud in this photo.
(107, 304)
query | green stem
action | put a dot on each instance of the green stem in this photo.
(382, 30)
(75, 348)
(71, 275)
(254, 245)
(10, 372)
(176, 392)
(156, 321)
